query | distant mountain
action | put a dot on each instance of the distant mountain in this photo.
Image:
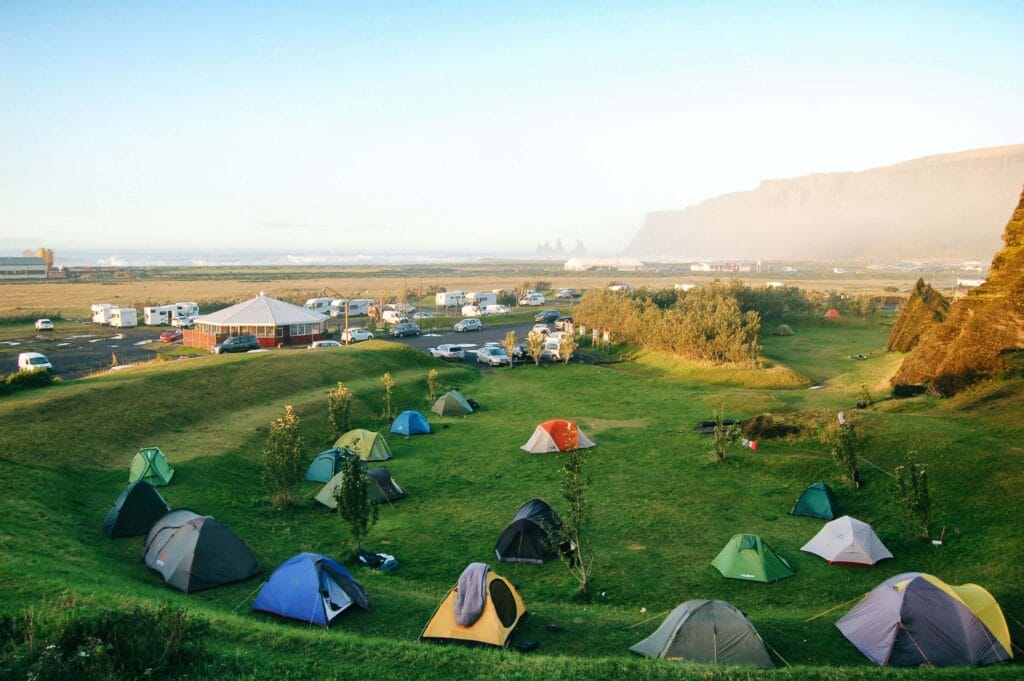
(952, 205)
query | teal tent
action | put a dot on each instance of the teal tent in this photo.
(817, 501)
(326, 464)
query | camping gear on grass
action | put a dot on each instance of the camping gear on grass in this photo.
(134, 511)
(151, 465)
(326, 464)
(452, 403)
(817, 501)
(384, 562)
(710, 632)
(380, 488)
(532, 536)
(916, 619)
(747, 556)
(708, 427)
(847, 541)
(410, 423)
(557, 435)
(501, 612)
(195, 552)
(367, 444)
(310, 588)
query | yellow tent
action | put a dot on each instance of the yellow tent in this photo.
(501, 613)
(370, 446)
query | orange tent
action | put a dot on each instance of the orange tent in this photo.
(832, 313)
(557, 435)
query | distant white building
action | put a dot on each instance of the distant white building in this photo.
(22, 268)
(587, 263)
(775, 284)
(720, 267)
(969, 283)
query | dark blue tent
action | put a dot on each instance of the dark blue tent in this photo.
(410, 423)
(310, 588)
(326, 464)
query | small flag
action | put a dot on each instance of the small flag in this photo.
(749, 443)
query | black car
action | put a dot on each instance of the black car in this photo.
(236, 344)
(547, 316)
(405, 329)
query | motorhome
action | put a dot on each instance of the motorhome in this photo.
(188, 309)
(357, 307)
(482, 299)
(321, 305)
(124, 317)
(158, 315)
(450, 299)
(101, 313)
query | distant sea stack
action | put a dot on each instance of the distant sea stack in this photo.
(950, 205)
(925, 307)
(983, 333)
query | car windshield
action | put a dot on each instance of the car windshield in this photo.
(37, 360)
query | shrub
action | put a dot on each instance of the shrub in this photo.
(339, 409)
(354, 506)
(389, 384)
(723, 435)
(89, 638)
(912, 494)
(283, 458)
(579, 559)
(535, 345)
(433, 386)
(28, 379)
(844, 451)
(509, 343)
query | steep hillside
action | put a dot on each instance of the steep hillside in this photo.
(939, 206)
(981, 329)
(925, 307)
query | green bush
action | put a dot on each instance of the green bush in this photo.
(72, 637)
(29, 379)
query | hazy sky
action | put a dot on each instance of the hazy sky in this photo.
(367, 126)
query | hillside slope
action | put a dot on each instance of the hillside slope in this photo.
(949, 205)
(925, 307)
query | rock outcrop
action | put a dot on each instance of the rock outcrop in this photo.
(925, 307)
(983, 332)
(950, 205)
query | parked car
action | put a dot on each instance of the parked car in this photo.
(33, 361)
(236, 344)
(520, 352)
(44, 325)
(567, 293)
(496, 357)
(562, 322)
(355, 334)
(552, 351)
(394, 317)
(469, 324)
(532, 300)
(447, 351)
(423, 315)
(497, 309)
(405, 329)
(325, 344)
(184, 322)
(171, 335)
(541, 328)
(547, 316)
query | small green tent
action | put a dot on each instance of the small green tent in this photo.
(381, 487)
(782, 330)
(817, 501)
(151, 465)
(370, 446)
(452, 403)
(747, 556)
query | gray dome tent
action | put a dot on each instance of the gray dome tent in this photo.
(195, 552)
(532, 536)
(134, 511)
(711, 632)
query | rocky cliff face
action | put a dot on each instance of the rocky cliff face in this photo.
(925, 307)
(940, 206)
(982, 331)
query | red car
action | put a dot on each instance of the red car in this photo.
(171, 335)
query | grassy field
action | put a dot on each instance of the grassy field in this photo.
(662, 509)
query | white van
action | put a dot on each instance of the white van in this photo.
(497, 309)
(31, 361)
(394, 317)
(532, 300)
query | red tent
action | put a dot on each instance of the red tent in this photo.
(557, 435)
(832, 313)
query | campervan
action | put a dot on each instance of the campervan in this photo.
(158, 315)
(188, 309)
(101, 313)
(482, 299)
(124, 317)
(450, 299)
(357, 307)
(321, 305)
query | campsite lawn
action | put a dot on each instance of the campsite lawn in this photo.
(662, 509)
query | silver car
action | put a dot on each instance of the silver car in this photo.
(496, 357)
(469, 324)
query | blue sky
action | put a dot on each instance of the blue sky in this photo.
(428, 126)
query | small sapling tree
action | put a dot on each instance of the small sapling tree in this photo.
(339, 409)
(844, 450)
(912, 494)
(353, 499)
(389, 383)
(579, 558)
(567, 346)
(283, 458)
(723, 435)
(535, 345)
(509, 343)
(433, 385)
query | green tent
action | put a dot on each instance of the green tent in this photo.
(452, 403)
(817, 501)
(782, 330)
(135, 511)
(710, 632)
(151, 465)
(381, 487)
(747, 556)
(370, 446)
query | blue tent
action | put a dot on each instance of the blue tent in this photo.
(410, 423)
(326, 464)
(310, 588)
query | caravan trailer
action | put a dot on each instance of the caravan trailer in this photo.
(357, 307)
(450, 299)
(158, 315)
(482, 299)
(124, 317)
(321, 305)
(101, 313)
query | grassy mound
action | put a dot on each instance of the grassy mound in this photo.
(662, 510)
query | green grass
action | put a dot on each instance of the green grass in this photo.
(662, 509)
